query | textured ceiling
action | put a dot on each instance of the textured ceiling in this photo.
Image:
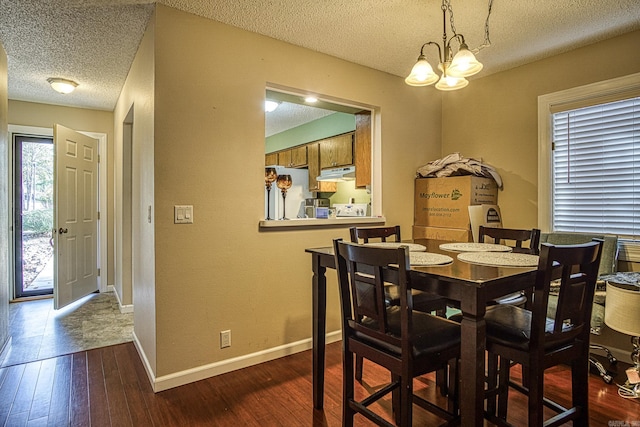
(289, 115)
(94, 41)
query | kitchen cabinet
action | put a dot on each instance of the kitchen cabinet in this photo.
(313, 158)
(295, 157)
(362, 150)
(271, 159)
(336, 151)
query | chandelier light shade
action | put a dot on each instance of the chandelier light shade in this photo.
(422, 73)
(454, 68)
(451, 83)
(464, 64)
(63, 86)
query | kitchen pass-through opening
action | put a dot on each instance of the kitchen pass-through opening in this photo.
(318, 155)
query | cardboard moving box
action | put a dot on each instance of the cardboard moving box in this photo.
(444, 202)
(439, 233)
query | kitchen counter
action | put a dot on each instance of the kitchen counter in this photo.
(294, 223)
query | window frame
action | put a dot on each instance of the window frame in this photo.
(591, 94)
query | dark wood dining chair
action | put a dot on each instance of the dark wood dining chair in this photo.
(422, 301)
(537, 342)
(406, 342)
(521, 241)
(514, 238)
(383, 233)
(511, 237)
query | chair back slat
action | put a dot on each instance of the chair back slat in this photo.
(382, 233)
(511, 237)
(576, 266)
(365, 290)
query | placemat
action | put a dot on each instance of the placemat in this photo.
(413, 247)
(501, 259)
(428, 258)
(474, 247)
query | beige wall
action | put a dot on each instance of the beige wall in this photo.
(4, 218)
(135, 105)
(495, 118)
(81, 119)
(222, 272)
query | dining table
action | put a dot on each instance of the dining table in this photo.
(470, 284)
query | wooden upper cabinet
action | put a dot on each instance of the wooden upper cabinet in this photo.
(284, 158)
(271, 159)
(313, 157)
(336, 151)
(299, 156)
(363, 148)
(293, 158)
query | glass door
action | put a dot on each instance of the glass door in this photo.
(33, 215)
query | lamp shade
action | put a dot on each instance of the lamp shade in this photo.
(421, 74)
(464, 64)
(622, 308)
(62, 85)
(451, 83)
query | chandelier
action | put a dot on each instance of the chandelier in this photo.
(454, 68)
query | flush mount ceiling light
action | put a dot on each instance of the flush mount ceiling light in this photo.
(454, 68)
(270, 106)
(310, 99)
(62, 85)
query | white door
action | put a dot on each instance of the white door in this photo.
(75, 217)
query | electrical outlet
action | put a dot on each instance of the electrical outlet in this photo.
(225, 339)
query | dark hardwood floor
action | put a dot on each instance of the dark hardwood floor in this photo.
(109, 387)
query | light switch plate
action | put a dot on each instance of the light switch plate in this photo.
(183, 214)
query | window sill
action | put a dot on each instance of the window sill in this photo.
(302, 223)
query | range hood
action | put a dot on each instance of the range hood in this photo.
(347, 173)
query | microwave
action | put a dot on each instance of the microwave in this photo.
(314, 208)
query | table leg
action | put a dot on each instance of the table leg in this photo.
(319, 330)
(473, 329)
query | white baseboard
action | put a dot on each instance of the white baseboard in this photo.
(123, 308)
(187, 376)
(145, 361)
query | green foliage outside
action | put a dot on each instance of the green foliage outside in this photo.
(39, 221)
(37, 188)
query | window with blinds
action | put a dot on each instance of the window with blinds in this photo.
(596, 168)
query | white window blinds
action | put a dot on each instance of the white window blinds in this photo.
(596, 169)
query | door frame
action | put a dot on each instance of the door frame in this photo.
(102, 199)
(17, 203)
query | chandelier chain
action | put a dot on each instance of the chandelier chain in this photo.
(487, 42)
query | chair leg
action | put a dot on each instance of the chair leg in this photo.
(503, 387)
(525, 377)
(347, 388)
(580, 387)
(406, 401)
(492, 382)
(536, 394)
(442, 381)
(359, 363)
(453, 395)
(396, 400)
